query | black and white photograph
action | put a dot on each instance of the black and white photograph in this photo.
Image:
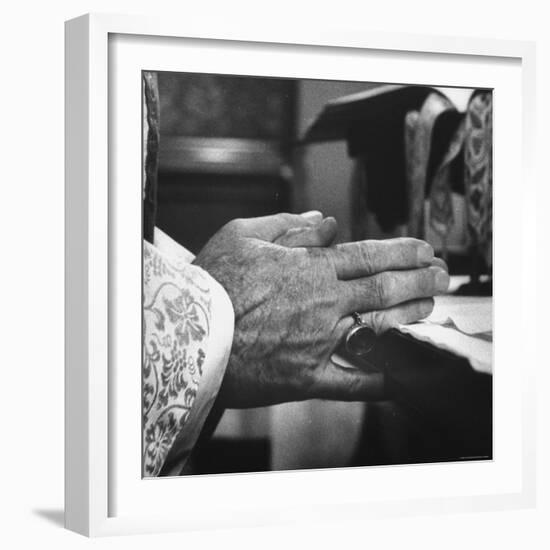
(317, 274)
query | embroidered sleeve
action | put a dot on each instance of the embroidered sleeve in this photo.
(177, 319)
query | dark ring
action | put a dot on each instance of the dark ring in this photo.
(360, 338)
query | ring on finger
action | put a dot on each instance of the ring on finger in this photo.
(360, 338)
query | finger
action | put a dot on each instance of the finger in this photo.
(385, 319)
(391, 288)
(440, 263)
(343, 384)
(319, 235)
(314, 216)
(269, 228)
(361, 258)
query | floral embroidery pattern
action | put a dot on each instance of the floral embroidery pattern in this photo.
(159, 438)
(176, 321)
(175, 374)
(478, 175)
(183, 313)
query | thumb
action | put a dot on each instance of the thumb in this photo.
(270, 228)
(336, 382)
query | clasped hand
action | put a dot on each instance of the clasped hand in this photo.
(293, 293)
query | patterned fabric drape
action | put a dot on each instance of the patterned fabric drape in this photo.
(176, 328)
(478, 155)
(441, 207)
(469, 134)
(419, 128)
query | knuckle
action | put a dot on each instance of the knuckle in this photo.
(286, 217)
(383, 287)
(364, 254)
(328, 255)
(234, 226)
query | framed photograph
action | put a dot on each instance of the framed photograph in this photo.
(281, 300)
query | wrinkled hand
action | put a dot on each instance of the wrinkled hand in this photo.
(293, 297)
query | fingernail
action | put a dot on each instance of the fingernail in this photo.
(427, 308)
(425, 253)
(441, 279)
(313, 215)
